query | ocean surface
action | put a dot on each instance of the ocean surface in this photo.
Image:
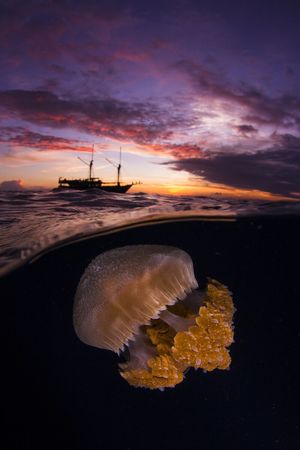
(63, 394)
(32, 222)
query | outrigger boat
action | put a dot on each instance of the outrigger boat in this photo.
(95, 183)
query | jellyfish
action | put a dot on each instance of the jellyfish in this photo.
(143, 302)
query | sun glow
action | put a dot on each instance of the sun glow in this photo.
(217, 115)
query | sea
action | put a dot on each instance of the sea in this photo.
(67, 395)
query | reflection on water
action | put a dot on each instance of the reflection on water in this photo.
(33, 221)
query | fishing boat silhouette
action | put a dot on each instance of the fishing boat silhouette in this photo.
(95, 182)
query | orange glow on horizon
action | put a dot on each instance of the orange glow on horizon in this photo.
(181, 190)
(178, 190)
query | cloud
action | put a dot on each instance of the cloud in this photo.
(23, 138)
(260, 109)
(12, 185)
(185, 150)
(245, 130)
(275, 170)
(129, 121)
(39, 33)
(20, 138)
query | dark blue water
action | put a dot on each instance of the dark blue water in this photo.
(68, 395)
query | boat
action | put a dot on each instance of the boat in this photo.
(94, 182)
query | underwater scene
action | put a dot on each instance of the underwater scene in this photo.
(151, 321)
(149, 224)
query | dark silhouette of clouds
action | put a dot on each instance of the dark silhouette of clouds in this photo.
(12, 185)
(245, 129)
(275, 170)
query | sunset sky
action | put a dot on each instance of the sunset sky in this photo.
(202, 96)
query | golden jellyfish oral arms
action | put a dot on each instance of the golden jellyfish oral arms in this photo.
(143, 300)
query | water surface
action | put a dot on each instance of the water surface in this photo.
(35, 221)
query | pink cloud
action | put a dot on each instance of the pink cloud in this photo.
(179, 151)
(22, 138)
(130, 121)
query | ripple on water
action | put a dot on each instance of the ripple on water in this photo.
(34, 221)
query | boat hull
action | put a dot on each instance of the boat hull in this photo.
(119, 189)
(84, 185)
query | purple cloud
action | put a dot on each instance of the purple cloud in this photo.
(245, 130)
(185, 80)
(275, 170)
(12, 185)
(281, 110)
(23, 138)
(130, 121)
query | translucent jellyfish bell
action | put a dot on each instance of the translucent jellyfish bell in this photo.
(143, 300)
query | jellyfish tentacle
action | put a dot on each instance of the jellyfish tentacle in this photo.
(162, 372)
(203, 344)
(176, 322)
(140, 351)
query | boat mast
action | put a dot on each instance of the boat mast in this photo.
(91, 164)
(119, 166)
